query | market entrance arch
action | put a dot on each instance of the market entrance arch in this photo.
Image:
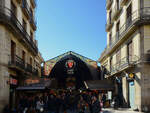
(71, 70)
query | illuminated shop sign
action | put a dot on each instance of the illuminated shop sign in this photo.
(13, 81)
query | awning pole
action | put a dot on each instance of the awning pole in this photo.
(86, 85)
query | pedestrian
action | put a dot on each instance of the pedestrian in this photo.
(81, 105)
(104, 100)
(95, 105)
(39, 105)
(101, 102)
(51, 104)
(7, 109)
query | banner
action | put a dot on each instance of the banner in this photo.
(48, 66)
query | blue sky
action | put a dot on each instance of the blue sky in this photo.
(71, 25)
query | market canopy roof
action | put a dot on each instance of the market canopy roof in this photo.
(42, 85)
(49, 64)
(99, 84)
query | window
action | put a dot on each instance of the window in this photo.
(24, 25)
(129, 13)
(13, 51)
(129, 51)
(23, 56)
(30, 61)
(117, 30)
(31, 35)
(110, 63)
(110, 39)
(118, 56)
(110, 17)
(31, 13)
(13, 8)
(118, 5)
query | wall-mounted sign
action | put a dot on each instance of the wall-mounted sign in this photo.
(131, 75)
(70, 65)
(31, 81)
(13, 81)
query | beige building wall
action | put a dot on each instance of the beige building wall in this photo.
(140, 37)
(6, 35)
(4, 75)
(146, 38)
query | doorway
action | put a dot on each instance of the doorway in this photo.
(132, 94)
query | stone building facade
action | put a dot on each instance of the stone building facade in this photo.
(126, 56)
(19, 55)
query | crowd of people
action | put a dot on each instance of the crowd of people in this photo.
(64, 102)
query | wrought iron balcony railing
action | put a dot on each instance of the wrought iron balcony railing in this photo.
(108, 4)
(124, 64)
(8, 17)
(17, 62)
(137, 18)
(26, 8)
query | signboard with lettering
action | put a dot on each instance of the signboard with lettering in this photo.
(13, 81)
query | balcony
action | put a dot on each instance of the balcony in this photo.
(116, 12)
(124, 64)
(29, 68)
(33, 3)
(26, 8)
(17, 63)
(33, 23)
(108, 4)
(123, 2)
(109, 25)
(8, 18)
(137, 18)
(35, 71)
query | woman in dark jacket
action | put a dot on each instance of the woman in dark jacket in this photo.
(95, 105)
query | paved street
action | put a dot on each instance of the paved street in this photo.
(119, 111)
(111, 110)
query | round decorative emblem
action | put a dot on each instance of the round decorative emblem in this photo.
(131, 75)
(70, 64)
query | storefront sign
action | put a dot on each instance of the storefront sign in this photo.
(13, 81)
(109, 95)
(31, 81)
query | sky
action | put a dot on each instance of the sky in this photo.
(71, 25)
